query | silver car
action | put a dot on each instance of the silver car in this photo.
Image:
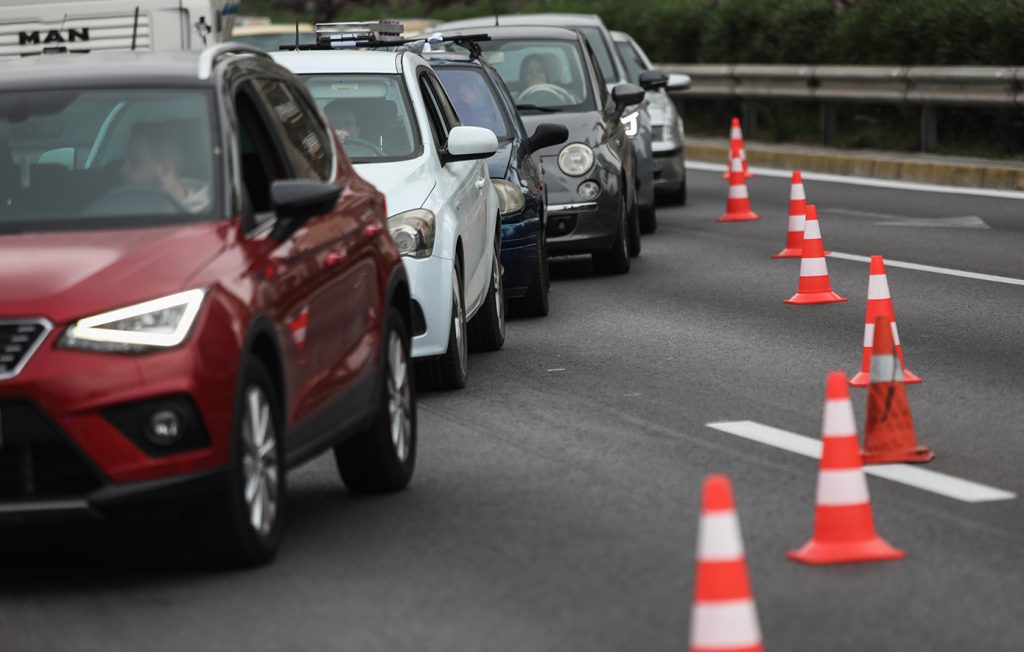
(668, 135)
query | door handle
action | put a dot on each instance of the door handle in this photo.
(480, 183)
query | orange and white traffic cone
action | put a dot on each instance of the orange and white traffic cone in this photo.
(844, 528)
(879, 303)
(737, 206)
(797, 215)
(814, 286)
(724, 616)
(889, 431)
(736, 148)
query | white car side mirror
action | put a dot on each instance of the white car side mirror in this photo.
(678, 82)
(469, 144)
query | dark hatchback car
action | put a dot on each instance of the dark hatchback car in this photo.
(197, 293)
(482, 100)
(554, 78)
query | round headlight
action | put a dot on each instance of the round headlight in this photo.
(589, 190)
(510, 198)
(576, 159)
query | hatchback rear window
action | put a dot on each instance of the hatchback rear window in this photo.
(68, 157)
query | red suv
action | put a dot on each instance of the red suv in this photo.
(196, 293)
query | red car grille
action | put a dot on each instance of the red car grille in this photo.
(18, 341)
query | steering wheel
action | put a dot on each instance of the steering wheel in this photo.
(131, 199)
(561, 95)
(352, 142)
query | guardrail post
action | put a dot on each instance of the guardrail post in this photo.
(749, 119)
(929, 129)
(828, 124)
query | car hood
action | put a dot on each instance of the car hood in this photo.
(498, 164)
(405, 184)
(586, 127)
(67, 275)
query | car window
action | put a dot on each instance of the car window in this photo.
(144, 155)
(370, 114)
(598, 42)
(262, 162)
(474, 99)
(435, 114)
(634, 64)
(306, 143)
(550, 75)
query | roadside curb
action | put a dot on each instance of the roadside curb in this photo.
(921, 169)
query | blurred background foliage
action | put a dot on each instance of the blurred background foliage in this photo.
(850, 32)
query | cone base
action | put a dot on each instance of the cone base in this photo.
(916, 455)
(873, 549)
(863, 378)
(789, 253)
(805, 298)
(739, 217)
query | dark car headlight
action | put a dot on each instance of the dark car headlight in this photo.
(140, 328)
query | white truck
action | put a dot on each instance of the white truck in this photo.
(30, 27)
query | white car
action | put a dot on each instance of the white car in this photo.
(399, 129)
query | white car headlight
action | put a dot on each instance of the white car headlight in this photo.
(576, 159)
(510, 198)
(632, 123)
(413, 232)
(158, 324)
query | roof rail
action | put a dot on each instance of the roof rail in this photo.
(208, 58)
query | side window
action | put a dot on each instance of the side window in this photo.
(435, 114)
(450, 116)
(262, 163)
(602, 85)
(306, 143)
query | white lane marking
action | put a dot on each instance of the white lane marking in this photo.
(866, 181)
(557, 369)
(958, 222)
(913, 476)
(928, 268)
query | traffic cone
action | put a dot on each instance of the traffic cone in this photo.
(879, 303)
(724, 616)
(889, 431)
(797, 213)
(737, 206)
(814, 285)
(844, 528)
(736, 148)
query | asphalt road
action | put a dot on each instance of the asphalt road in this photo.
(555, 503)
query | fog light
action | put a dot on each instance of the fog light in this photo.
(589, 190)
(165, 428)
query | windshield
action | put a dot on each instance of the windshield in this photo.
(634, 64)
(542, 75)
(135, 156)
(599, 44)
(370, 114)
(474, 99)
(273, 42)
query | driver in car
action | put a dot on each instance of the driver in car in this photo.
(343, 120)
(533, 71)
(154, 157)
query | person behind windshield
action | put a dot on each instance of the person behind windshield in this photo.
(343, 120)
(533, 71)
(154, 157)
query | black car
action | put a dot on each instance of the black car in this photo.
(482, 100)
(554, 78)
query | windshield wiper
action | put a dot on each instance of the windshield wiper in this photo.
(534, 107)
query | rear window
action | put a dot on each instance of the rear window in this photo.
(132, 155)
(474, 99)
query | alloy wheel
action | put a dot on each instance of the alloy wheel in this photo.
(259, 461)
(399, 397)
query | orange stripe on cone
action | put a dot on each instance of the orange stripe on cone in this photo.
(724, 616)
(889, 430)
(844, 528)
(736, 148)
(879, 303)
(737, 206)
(814, 286)
(797, 215)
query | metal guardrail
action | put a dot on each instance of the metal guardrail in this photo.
(924, 86)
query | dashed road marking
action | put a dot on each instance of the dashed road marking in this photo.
(959, 222)
(557, 369)
(913, 476)
(929, 268)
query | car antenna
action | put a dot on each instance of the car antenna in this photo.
(296, 32)
(135, 27)
(497, 10)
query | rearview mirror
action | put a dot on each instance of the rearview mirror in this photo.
(545, 135)
(653, 79)
(626, 95)
(678, 82)
(469, 144)
(295, 201)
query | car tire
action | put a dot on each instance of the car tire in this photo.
(648, 220)
(451, 369)
(634, 231)
(535, 303)
(487, 328)
(247, 531)
(615, 260)
(382, 457)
